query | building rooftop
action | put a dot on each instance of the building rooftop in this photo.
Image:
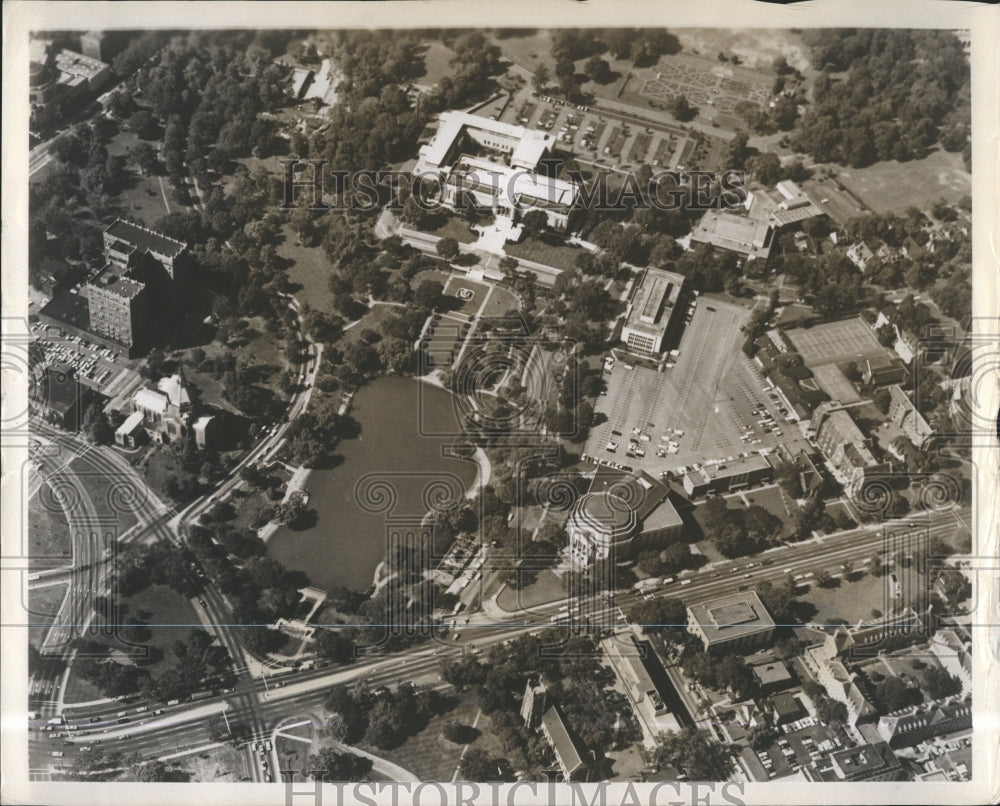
(734, 467)
(150, 400)
(73, 309)
(147, 240)
(771, 674)
(132, 422)
(121, 285)
(737, 233)
(528, 145)
(642, 492)
(655, 299)
(562, 743)
(785, 705)
(173, 387)
(606, 511)
(78, 65)
(731, 616)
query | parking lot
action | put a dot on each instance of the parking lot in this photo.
(95, 364)
(602, 137)
(709, 403)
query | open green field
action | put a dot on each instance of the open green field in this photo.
(430, 756)
(48, 531)
(454, 227)
(43, 604)
(850, 601)
(556, 255)
(469, 293)
(167, 615)
(437, 58)
(546, 588)
(310, 269)
(500, 302)
(530, 50)
(892, 187)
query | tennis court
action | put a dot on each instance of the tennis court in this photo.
(835, 342)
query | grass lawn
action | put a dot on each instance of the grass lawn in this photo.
(43, 604)
(48, 531)
(547, 588)
(428, 754)
(470, 294)
(79, 690)
(373, 320)
(150, 200)
(774, 502)
(97, 487)
(849, 601)
(169, 617)
(437, 58)
(529, 51)
(893, 186)
(429, 274)
(453, 227)
(294, 754)
(310, 270)
(218, 765)
(500, 302)
(558, 256)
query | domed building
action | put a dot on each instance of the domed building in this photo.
(620, 515)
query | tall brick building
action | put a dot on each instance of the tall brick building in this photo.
(137, 288)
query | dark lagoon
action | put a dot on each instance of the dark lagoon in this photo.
(396, 452)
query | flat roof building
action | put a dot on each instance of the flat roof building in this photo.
(498, 166)
(629, 659)
(869, 762)
(735, 623)
(653, 312)
(731, 474)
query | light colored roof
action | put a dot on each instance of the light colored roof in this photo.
(132, 422)
(731, 616)
(737, 233)
(151, 400)
(528, 144)
(173, 387)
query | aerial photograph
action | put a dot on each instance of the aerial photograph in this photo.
(499, 405)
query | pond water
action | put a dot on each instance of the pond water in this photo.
(399, 455)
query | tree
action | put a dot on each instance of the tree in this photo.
(447, 248)
(894, 695)
(540, 78)
(693, 752)
(478, 765)
(832, 712)
(534, 222)
(428, 296)
(597, 69)
(332, 765)
(333, 644)
(681, 108)
(762, 736)
(938, 683)
(660, 615)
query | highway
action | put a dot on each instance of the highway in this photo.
(257, 706)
